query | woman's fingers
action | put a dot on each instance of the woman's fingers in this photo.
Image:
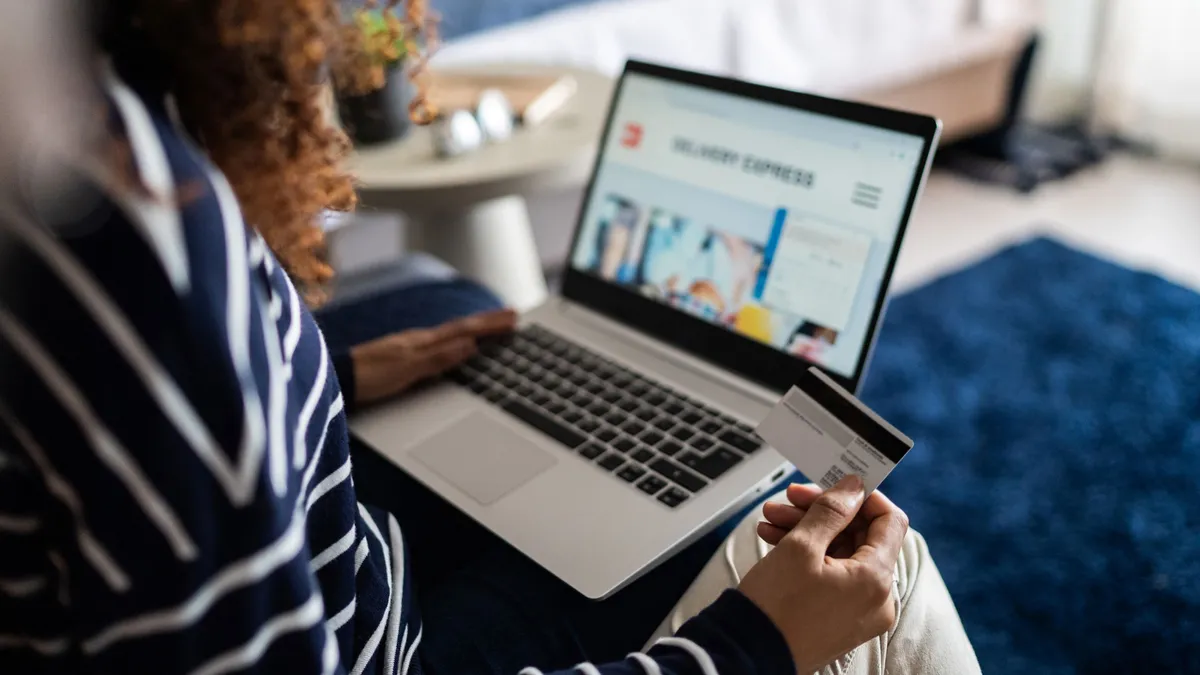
(479, 325)
(803, 494)
(443, 355)
(781, 515)
(770, 533)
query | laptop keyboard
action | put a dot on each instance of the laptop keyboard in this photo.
(656, 439)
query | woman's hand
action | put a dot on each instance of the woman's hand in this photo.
(827, 584)
(391, 364)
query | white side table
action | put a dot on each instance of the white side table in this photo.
(469, 210)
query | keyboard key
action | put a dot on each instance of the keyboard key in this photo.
(717, 462)
(691, 417)
(631, 472)
(592, 450)
(594, 387)
(672, 408)
(651, 437)
(523, 390)
(677, 474)
(581, 398)
(669, 447)
(494, 395)
(556, 408)
(673, 497)
(588, 424)
(578, 379)
(572, 416)
(683, 433)
(711, 427)
(624, 444)
(628, 405)
(539, 398)
(633, 427)
(637, 388)
(606, 434)
(611, 461)
(611, 395)
(656, 398)
(643, 455)
(741, 442)
(547, 425)
(646, 414)
(615, 418)
(566, 389)
(598, 408)
(702, 443)
(651, 484)
(664, 423)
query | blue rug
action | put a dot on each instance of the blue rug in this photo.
(1055, 402)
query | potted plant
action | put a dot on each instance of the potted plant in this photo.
(386, 94)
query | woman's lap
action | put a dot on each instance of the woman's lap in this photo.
(486, 607)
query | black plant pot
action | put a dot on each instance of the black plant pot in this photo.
(382, 115)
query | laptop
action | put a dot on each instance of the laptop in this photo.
(731, 236)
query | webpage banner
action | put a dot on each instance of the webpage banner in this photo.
(772, 222)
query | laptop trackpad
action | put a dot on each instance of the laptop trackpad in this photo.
(482, 457)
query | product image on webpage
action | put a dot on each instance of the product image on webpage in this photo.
(725, 277)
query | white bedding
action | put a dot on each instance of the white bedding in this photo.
(830, 46)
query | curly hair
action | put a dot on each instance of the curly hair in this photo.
(249, 79)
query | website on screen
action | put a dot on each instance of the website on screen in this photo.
(773, 222)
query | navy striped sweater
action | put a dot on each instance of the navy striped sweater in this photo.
(175, 491)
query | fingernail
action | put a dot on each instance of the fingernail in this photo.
(851, 482)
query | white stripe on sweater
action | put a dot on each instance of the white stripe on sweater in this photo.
(159, 222)
(107, 447)
(529, 670)
(292, 337)
(334, 410)
(237, 318)
(301, 618)
(392, 647)
(328, 483)
(369, 649)
(587, 669)
(412, 651)
(649, 665)
(334, 550)
(338, 620)
(238, 574)
(299, 445)
(21, 587)
(331, 657)
(277, 400)
(43, 646)
(696, 651)
(89, 547)
(15, 524)
(173, 403)
(360, 555)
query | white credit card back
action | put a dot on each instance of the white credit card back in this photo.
(827, 433)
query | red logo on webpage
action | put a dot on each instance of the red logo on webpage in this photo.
(632, 136)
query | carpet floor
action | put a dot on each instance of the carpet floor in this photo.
(1055, 402)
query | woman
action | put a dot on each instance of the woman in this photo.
(176, 490)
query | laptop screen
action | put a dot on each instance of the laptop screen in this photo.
(775, 223)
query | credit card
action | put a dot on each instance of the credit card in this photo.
(828, 433)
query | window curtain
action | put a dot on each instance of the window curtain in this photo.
(1148, 80)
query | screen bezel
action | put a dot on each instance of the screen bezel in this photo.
(745, 356)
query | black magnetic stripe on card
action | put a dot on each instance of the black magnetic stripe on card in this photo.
(852, 416)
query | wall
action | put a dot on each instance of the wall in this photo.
(1062, 72)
